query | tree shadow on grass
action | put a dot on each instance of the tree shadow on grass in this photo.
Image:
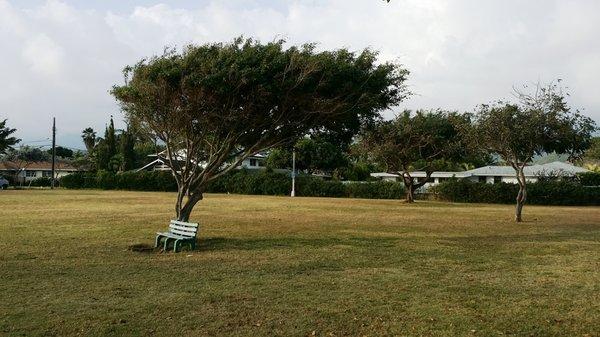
(225, 244)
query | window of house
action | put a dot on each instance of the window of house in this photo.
(47, 174)
(497, 179)
(253, 162)
(30, 173)
(482, 179)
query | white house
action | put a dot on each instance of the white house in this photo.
(254, 162)
(492, 174)
(25, 172)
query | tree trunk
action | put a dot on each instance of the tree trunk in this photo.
(522, 195)
(409, 186)
(184, 209)
(410, 194)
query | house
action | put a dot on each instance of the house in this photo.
(28, 171)
(254, 162)
(491, 174)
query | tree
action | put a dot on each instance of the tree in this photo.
(62, 152)
(6, 142)
(422, 141)
(214, 105)
(592, 154)
(106, 152)
(89, 139)
(127, 150)
(313, 155)
(24, 156)
(539, 123)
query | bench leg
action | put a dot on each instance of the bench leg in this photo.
(157, 241)
(175, 245)
(166, 243)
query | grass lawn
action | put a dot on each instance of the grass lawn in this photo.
(295, 267)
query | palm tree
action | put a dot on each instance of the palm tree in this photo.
(89, 139)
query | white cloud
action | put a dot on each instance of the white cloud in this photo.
(43, 55)
(62, 60)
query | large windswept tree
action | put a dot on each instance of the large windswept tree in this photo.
(419, 141)
(539, 123)
(214, 105)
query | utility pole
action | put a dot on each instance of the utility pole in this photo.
(53, 151)
(293, 194)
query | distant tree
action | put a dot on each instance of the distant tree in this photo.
(313, 155)
(127, 150)
(89, 139)
(214, 105)
(592, 154)
(538, 123)
(6, 141)
(62, 152)
(23, 157)
(419, 141)
(110, 138)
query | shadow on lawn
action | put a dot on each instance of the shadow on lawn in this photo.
(221, 243)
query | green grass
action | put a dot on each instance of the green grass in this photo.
(294, 267)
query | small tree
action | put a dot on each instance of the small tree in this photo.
(423, 140)
(214, 105)
(23, 157)
(6, 141)
(539, 123)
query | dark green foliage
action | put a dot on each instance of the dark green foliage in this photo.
(540, 193)
(237, 182)
(127, 151)
(589, 178)
(62, 152)
(6, 142)
(41, 182)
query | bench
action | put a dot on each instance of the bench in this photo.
(181, 232)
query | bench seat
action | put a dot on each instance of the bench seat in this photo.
(181, 232)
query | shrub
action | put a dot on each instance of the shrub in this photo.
(589, 178)
(41, 182)
(540, 193)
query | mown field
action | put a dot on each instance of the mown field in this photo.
(271, 266)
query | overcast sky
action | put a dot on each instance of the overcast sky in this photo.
(60, 57)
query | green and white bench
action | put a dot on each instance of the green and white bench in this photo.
(181, 232)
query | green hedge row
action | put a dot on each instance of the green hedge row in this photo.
(589, 178)
(540, 193)
(238, 182)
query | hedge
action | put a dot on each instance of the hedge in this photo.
(238, 182)
(589, 178)
(539, 193)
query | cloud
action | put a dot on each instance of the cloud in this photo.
(61, 59)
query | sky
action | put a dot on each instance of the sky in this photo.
(59, 58)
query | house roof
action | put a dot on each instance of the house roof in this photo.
(38, 165)
(556, 167)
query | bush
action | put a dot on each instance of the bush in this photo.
(41, 182)
(540, 193)
(589, 178)
(239, 182)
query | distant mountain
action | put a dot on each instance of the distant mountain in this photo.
(548, 158)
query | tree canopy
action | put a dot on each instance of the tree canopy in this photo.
(214, 105)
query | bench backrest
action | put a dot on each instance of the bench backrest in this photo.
(188, 229)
